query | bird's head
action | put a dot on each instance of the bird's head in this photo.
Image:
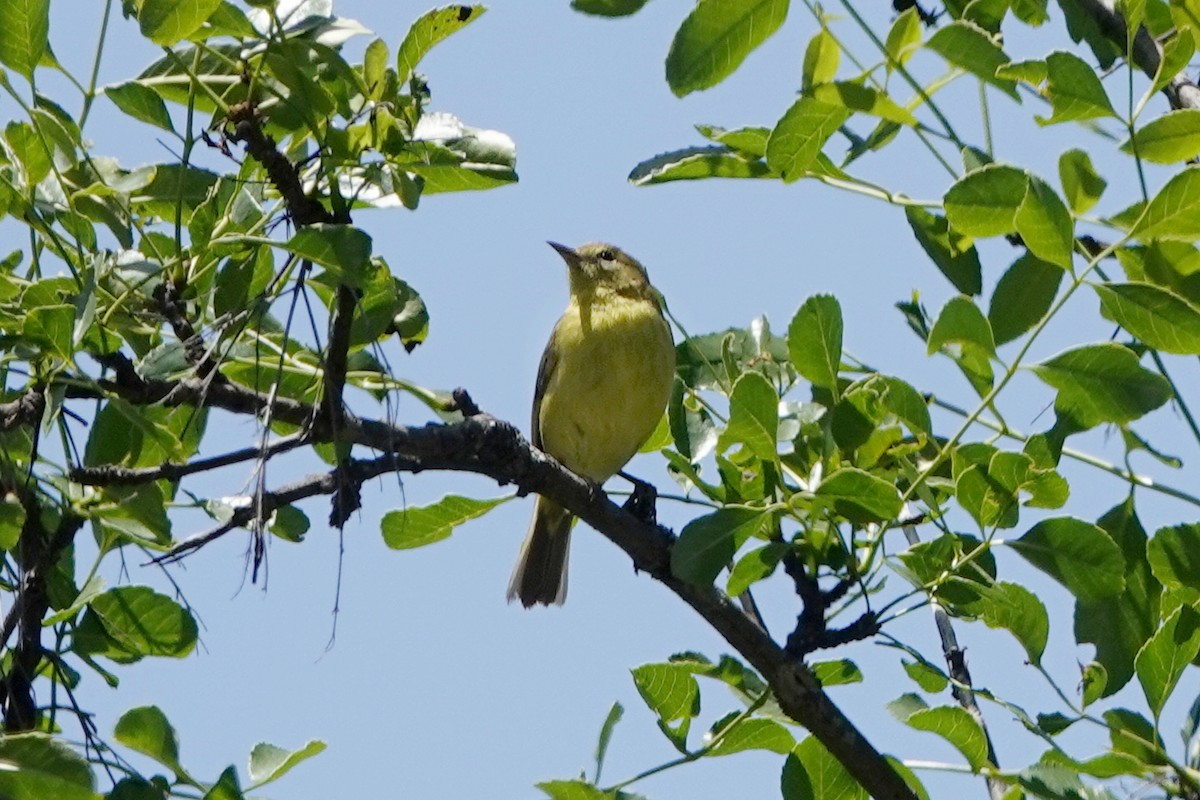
(597, 270)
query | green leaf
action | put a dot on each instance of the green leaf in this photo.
(144, 622)
(1119, 625)
(1161, 662)
(820, 60)
(227, 787)
(606, 730)
(752, 733)
(53, 328)
(863, 100)
(754, 566)
(270, 763)
(957, 727)
(815, 340)
(1081, 184)
(707, 544)
(750, 141)
(342, 249)
(926, 675)
(968, 46)
(1174, 556)
(961, 322)
(1045, 224)
(836, 673)
(431, 28)
(859, 496)
(1016, 609)
(812, 773)
(407, 528)
(802, 131)
(574, 790)
(696, 163)
(24, 34)
(1175, 136)
(1130, 732)
(716, 37)
(35, 766)
(1173, 213)
(141, 103)
(671, 692)
(1022, 297)
(608, 8)
(12, 520)
(985, 202)
(147, 731)
(753, 417)
(954, 254)
(1101, 383)
(1074, 90)
(165, 22)
(1156, 316)
(903, 39)
(1077, 554)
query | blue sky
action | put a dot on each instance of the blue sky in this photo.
(434, 687)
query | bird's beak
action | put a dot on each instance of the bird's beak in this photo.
(568, 254)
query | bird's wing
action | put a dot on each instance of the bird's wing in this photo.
(545, 370)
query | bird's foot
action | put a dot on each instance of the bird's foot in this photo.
(642, 500)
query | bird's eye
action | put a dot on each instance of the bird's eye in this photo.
(608, 255)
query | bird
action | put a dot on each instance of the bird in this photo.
(602, 385)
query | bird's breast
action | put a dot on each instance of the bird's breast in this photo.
(609, 387)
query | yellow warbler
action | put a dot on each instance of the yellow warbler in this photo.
(603, 382)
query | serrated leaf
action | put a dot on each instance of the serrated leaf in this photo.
(961, 322)
(903, 39)
(406, 528)
(716, 37)
(433, 26)
(1074, 90)
(144, 622)
(1172, 137)
(343, 250)
(752, 733)
(707, 544)
(984, 202)
(815, 340)
(608, 8)
(165, 22)
(968, 46)
(1101, 383)
(671, 692)
(1081, 184)
(1161, 661)
(812, 773)
(1016, 609)
(954, 254)
(140, 102)
(928, 677)
(753, 417)
(957, 727)
(836, 673)
(696, 163)
(1174, 557)
(798, 137)
(754, 566)
(1173, 213)
(1022, 297)
(820, 60)
(36, 766)
(269, 763)
(1045, 224)
(146, 730)
(859, 496)
(1077, 554)
(1154, 315)
(24, 34)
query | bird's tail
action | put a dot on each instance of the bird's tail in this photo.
(541, 572)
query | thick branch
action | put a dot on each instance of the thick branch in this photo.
(1147, 55)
